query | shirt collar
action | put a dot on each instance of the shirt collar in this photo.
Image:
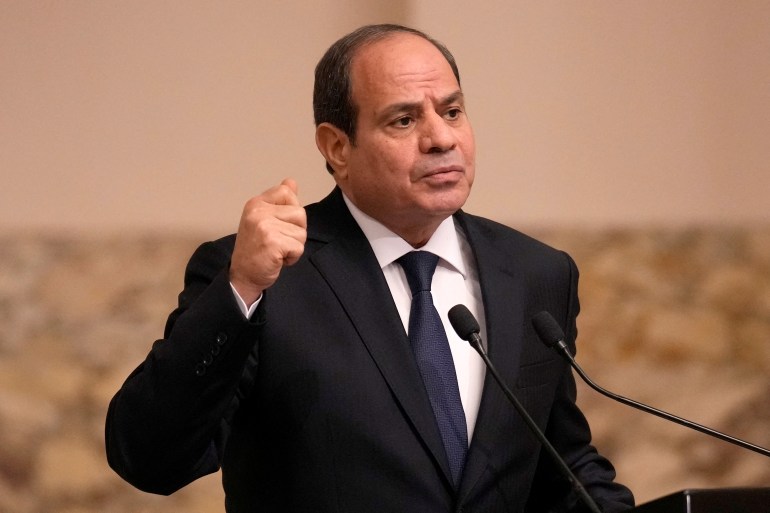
(389, 247)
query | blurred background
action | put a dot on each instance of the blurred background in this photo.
(634, 135)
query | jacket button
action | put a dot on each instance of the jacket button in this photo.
(200, 369)
(208, 359)
(221, 339)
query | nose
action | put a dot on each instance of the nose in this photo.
(437, 135)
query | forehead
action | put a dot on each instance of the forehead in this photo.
(398, 62)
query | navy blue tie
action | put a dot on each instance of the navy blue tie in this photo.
(434, 359)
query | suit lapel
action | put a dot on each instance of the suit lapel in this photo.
(348, 264)
(502, 292)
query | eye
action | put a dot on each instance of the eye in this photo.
(453, 113)
(403, 122)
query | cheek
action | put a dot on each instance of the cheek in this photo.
(393, 153)
(469, 146)
(391, 163)
(385, 164)
(469, 155)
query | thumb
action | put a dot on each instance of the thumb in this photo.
(291, 184)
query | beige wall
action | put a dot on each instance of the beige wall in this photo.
(597, 112)
(169, 115)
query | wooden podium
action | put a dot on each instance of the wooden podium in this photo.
(717, 500)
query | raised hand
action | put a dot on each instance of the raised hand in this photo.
(271, 234)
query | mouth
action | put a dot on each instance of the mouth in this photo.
(442, 171)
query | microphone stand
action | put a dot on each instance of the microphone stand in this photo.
(475, 341)
(564, 350)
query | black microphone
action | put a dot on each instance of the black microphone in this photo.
(552, 335)
(467, 327)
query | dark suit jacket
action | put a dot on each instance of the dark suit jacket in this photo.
(317, 403)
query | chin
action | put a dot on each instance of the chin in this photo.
(449, 203)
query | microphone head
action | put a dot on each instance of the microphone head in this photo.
(463, 321)
(547, 329)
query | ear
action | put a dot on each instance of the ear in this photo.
(334, 145)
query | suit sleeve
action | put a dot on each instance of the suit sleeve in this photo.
(569, 432)
(168, 423)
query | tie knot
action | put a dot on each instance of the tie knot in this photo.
(419, 267)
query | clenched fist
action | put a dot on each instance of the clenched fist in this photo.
(271, 234)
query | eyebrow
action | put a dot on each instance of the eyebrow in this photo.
(395, 108)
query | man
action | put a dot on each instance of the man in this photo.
(291, 361)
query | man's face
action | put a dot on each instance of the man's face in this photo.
(413, 161)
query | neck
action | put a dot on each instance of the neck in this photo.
(416, 232)
(416, 235)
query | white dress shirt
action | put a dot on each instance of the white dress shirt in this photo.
(455, 281)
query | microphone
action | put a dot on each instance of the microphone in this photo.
(552, 336)
(467, 327)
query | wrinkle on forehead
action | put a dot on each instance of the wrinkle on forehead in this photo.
(398, 63)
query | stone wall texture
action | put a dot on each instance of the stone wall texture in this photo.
(678, 319)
